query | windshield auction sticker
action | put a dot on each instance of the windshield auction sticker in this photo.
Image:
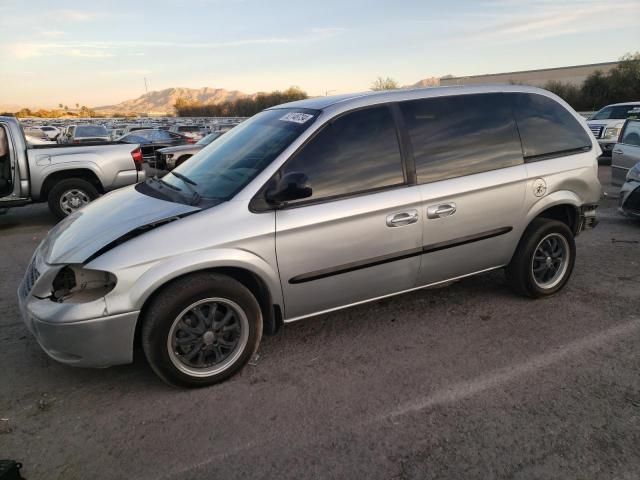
(296, 117)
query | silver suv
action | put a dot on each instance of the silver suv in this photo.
(310, 207)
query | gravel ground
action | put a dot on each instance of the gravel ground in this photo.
(468, 381)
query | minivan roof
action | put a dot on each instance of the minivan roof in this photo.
(320, 103)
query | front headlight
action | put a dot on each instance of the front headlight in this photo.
(75, 284)
(634, 174)
(611, 133)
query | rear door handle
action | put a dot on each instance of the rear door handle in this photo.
(617, 150)
(402, 219)
(443, 210)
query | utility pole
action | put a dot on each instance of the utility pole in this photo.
(146, 87)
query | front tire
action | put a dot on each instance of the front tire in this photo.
(201, 329)
(544, 259)
(70, 195)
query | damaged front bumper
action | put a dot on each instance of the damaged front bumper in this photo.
(79, 334)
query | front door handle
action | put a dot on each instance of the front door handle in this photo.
(617, 150)
(402, 219)
(443, 210)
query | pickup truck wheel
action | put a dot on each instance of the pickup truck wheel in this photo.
(69, 195)
(201, 329)
(544, 259)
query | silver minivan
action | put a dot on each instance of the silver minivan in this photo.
(311, 207)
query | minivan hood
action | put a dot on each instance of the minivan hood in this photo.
(103, 221)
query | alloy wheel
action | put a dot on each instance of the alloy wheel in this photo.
(207, 337)
(550, 260)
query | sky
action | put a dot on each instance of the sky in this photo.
(99, 52)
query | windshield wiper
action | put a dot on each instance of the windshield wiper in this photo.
(184, 178)
(195, 197)
(163, 183)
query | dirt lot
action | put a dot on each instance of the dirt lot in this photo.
(468, 381)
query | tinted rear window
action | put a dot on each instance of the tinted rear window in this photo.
(546, 127)
(461, 135)
(91, 132)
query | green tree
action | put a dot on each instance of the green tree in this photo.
(620, 84)
(384, 84)
(24, 112)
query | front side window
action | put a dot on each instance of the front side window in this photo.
(461, 135)
(546, 127)
(631, 134)
(354, 153)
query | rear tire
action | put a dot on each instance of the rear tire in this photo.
(201, 329)
(69, 195)
(544, 259)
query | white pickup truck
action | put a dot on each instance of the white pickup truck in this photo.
(66, 176)
(607, 123)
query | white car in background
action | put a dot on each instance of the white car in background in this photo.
(606, 124)
(50, 131)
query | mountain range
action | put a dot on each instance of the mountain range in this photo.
(162, 101)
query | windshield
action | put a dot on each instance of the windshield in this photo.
(617, 112)
(209, 138)
(223, 168)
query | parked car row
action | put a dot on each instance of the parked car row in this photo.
(196, 128)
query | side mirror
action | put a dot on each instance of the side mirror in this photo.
(292, 186)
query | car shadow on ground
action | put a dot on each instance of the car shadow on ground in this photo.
(379, 319)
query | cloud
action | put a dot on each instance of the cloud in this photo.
(549, 19)
(53, 33)
(78, 16)
(122, 48)
(125, 73)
